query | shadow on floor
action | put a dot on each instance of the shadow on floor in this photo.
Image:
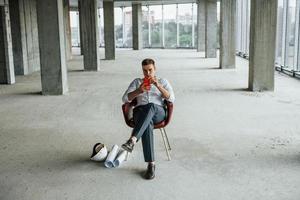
(194, 58)
(207, 68)
(201, 68)
(232, 90)
(75, 70)
(39, 93)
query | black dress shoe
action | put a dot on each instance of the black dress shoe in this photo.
(150, 173)
(128, 146)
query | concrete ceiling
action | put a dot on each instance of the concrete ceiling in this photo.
(118, 3)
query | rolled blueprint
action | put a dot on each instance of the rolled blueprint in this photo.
(109, 162)
(120, 158)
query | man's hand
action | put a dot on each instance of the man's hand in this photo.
(138, 91)
(164, 92)
(143, 88)
(154, 81)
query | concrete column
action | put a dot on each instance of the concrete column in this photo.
(67, 26)
(91, 43)
(35, 41)
(109, 30)
(23, 37)
(7, 74)
(52, 47)
(227, 34)
(211, 29)
(31, 33)
(80, 27)
(137, 34)
(201, 25)
(262, 44)
(29, 36)
(16, 36)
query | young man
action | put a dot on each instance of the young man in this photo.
(150, 93)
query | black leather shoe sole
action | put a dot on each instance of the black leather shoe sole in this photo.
(149, 177)
(127, 148)
(150, 173)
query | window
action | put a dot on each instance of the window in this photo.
(74, 23)
(290, 33)
(243, 27)
(287, 45)
(127, 15)
(119, 26)
(145, 27)
(101, 27)
(156, 25)
(170, 26)
(280, 33)
(185, 25)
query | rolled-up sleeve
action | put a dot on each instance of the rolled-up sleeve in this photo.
(132, 86)
(169, 88)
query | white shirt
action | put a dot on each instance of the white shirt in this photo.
(151, 96)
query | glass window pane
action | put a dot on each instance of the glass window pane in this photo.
(248, 7)
(243, 26)
(155, 23)
(297, 38)
(280, 32)
(119, 27)
(170, 25)
(145, 26)
(185, 25)
(195, 23)
(244, 30)
(127, 27)
(291, 33)
(238, 25)
(101, 27)
(74, 23)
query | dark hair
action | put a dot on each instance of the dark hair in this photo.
(148, 61)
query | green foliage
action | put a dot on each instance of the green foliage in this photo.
(185, 36)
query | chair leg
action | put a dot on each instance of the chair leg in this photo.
(165, 143)
(165, 132)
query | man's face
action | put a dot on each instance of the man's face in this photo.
(149, 70)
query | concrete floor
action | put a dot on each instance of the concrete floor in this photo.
(228, 143)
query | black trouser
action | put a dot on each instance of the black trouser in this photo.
(145, 117)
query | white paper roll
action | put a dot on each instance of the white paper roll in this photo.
(109, 162)
(120, 158)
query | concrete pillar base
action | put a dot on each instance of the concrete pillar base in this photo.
(262, 45)
(52, 47)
